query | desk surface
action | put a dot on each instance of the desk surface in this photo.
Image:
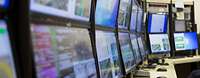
(186, 60)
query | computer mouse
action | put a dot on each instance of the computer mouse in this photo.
(161, 77)
(161, 69)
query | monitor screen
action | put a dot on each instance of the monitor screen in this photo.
(62, 52)
(157, 23)
(106, 12)
(135, 47)
(159, 43)
(107, 53)
(127, 54)
(7, 66)
(140, 20)
(186, 41)
(143, 50)
(4, 3)
(133, 17)
(124, 13)
(74, 9)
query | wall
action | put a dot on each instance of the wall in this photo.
(197, 14)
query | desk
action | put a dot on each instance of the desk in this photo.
(171, 72)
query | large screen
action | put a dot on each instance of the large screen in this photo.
(157, 23)
(107, 53)
(62, 52)
(135, 47)
(133, 17)
(140, 20)
(124, 13)
(186, 41)
(127, 54)
(74, 9)
(159, 43)
(4, 3)
(106, 12)
(7, 67)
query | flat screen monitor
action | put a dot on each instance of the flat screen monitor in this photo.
(73, 9)
(186, 41)
(62, 52)
(142, 47)
(106, 12)
(140, 20)
(107, 53)
(127, 54)
(7, 65)
(133, 17)
(135, 47)
(124, 14)
(157, 23)
(4, 3)
(159, 43)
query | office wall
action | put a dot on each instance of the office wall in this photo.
(197, 14)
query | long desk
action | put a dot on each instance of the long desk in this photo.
(171, 72)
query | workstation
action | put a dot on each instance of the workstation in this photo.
(99, 39)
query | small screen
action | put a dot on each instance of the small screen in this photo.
(4, 3)
(74, 9)
(106, 12)
(140, 20)
(135, 47)
(141, 46)
(62, 52)
(124, 13)
(133, 17)
(157, 23)
(7, 67)
(127, 54)
(107, 53)
(159, 43)
(180, 26)
(186, 41)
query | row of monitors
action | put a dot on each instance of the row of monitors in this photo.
(106, 13)
(62, 52)
(183, 41)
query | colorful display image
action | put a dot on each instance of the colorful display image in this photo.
(106, 12)
(127, 53)
(107, 49)
(7, 69)
(61, 52)
(135, 46)
(75, 9)
(186, 41)
(106, 70)
(159, 43)
(124, 14)
(133, 22)
(157, 23)
(141, 46)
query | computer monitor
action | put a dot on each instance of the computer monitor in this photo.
(159, 43)
(4, 3)
(127, 54)
(133, 17)
(124, 14)
(107, 53)
(62, 52)
(142, 46)
(106, 12)
(157, 23)
(140, 20)
(186, 41)
(73, 9)
(7, 64)
(136, 49)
